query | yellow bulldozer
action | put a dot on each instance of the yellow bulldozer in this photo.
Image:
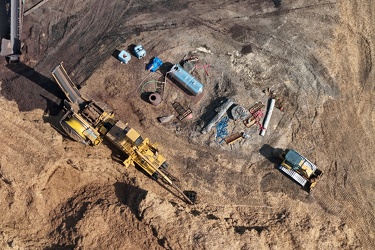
(299, 168)
(91, 122)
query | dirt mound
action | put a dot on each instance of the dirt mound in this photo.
(316, 57)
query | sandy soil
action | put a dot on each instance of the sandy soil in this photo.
(315, 55)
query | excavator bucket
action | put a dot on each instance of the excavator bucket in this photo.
(192, 195)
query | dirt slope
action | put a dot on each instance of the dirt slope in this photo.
(316, 55)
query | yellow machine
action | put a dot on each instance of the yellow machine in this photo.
(299, 168)
(89, 122)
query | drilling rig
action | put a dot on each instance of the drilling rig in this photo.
(90, 122)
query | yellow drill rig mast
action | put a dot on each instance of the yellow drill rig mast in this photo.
(89, 122)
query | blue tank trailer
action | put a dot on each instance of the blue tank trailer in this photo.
(186, 80)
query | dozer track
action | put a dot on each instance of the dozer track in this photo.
(294, 175)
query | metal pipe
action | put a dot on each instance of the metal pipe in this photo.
(220, 112)
(268, 117)
(14, 20)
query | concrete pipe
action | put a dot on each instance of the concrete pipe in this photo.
(155, 99)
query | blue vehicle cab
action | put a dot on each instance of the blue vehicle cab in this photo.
(124, 56)
(154, 64)
(139, 51)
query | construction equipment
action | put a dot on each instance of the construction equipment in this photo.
(90, 122)
(11, 45)
(299, 169)
(154, 64)
(124, 56)
(139, 51)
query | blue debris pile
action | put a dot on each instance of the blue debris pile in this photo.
(221, 129)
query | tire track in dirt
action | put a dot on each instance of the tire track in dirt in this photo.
(347, 195)
(84, 66)
(351, 211)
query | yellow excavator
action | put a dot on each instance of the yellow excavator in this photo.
(91, 122)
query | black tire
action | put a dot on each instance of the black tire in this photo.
(165, 165)
(318, 172)
(155, 176)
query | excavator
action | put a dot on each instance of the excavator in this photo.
(90, 122)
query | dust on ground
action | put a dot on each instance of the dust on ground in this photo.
(315, 55)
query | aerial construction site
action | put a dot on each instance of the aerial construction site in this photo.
(187, 124)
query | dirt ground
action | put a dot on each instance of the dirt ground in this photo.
(316, 55)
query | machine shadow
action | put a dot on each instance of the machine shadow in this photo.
(115, 53)
(272, 154)
(43, 93)
(131, 49)
(277, 3)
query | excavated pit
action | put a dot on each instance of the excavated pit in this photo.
(315, 56)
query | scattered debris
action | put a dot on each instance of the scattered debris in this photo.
(256, 115)
(188, 66)
(221, 129)
(220, 112)
(155, 99)
(190, 116)
(268, 117)
(273, 95)
(182, 112)
(233, 138)
(165, 119)
(190, 58)
(239, 112)
(204, 66)
(189, 63)
(245, 136)
(204, 50)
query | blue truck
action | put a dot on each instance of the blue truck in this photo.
(124, 56)
(139, 51)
